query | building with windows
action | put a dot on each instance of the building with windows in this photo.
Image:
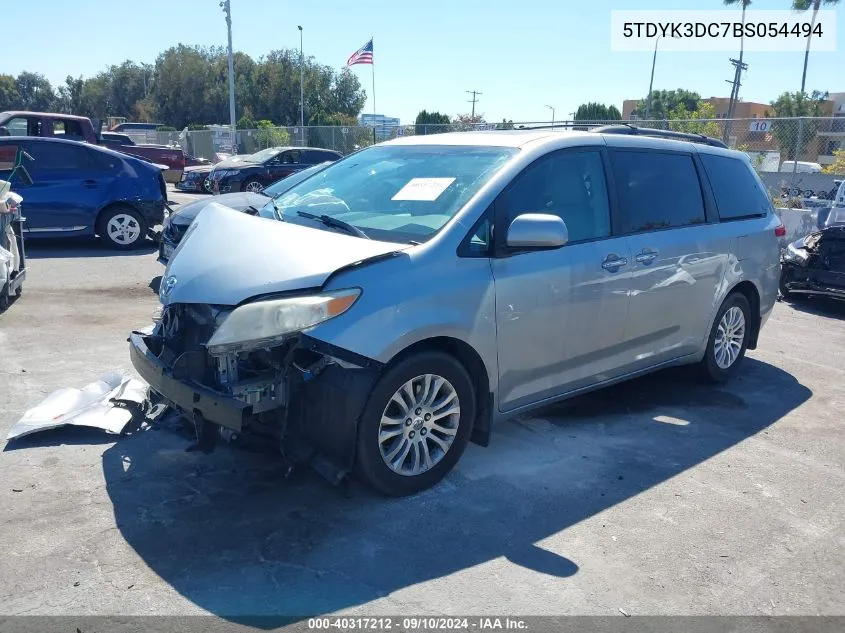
(384, 125)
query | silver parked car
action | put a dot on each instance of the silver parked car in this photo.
(410, 295)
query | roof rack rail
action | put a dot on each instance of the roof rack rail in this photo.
(668, 134)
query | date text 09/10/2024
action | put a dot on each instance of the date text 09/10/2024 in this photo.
(416, 624)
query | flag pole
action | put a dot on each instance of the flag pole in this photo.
(373, 65)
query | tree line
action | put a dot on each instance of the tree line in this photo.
(188, 85)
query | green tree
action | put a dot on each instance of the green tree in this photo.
(699, 121)
(804, 5)
(593, 111)
(467, 121)
(664, 101)
(431, 122)
(9, 97)
(70, 96)
(797, 104)
(34, 92)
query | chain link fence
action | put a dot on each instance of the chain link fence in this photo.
(799, 159)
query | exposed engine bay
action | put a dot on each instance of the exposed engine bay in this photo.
(815, 264)
(302, 394)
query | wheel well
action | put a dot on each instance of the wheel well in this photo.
(750, 292)
(472, 362)
(110, 207)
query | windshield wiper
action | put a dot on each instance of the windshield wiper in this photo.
(334, 222)
(276, 210)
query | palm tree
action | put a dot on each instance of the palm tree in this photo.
(803, 5)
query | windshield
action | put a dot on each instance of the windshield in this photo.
(264, 154)
(396, 193)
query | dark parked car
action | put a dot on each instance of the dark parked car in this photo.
(255, 171)
(255, 203)
(83, 189)
(195, 179)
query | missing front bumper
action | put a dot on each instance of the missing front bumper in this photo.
(186, 395)
(319, 415)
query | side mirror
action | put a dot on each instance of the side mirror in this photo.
(537, 230)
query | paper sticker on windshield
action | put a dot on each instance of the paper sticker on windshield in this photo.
(425, 189)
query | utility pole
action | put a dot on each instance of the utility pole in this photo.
(227, 9)
(475, 95)
(739, 66)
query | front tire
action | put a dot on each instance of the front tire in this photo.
(416, 424)
(122, 227)
(728, 339)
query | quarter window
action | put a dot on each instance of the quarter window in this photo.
(658, 190)
(736, 188)
(569, 184)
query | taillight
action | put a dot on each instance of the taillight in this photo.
(780, 230)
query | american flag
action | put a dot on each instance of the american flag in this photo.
(363, 55)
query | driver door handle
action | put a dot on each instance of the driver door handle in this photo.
(613, 262)
(646, 256)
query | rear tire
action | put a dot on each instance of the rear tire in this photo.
(408, 447)
(122, 227)
(728, 339)
(253, 185)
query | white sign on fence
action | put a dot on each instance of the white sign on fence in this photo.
(760, 125)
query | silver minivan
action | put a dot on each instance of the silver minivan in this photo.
(412, 294)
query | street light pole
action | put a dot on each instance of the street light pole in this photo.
(553, 114)
(227, 9)
(651, 81)
(301, 89)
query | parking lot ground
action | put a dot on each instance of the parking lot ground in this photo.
(660, 496)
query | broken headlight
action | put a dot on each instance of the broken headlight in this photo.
(795, 255)
(266, 322)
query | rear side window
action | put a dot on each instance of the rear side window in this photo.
(737, 191)
(658, 190)
(59, 156)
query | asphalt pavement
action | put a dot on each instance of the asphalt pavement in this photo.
(661, 496)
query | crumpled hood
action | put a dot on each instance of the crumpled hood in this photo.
(239, 201)
(228, 257)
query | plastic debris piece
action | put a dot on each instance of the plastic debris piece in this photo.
(98, 405)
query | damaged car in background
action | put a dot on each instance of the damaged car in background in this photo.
(815, 264)
(406, 296)
(262, 203)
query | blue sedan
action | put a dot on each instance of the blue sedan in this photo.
(82, 189)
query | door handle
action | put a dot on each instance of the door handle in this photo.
(91, 184)
(646, 257)
(613, 262)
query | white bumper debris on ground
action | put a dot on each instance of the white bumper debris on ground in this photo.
(98, 405)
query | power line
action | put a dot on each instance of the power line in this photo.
(474, 99)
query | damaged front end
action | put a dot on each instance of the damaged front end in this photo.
(301, 393)
(815, 264)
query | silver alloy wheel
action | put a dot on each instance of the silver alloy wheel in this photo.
(254, 187)
(419, 425)
(729, 337)
(123, 229)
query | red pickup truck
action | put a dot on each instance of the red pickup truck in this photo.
(79, 128)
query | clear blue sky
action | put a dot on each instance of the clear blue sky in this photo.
(521, 55)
